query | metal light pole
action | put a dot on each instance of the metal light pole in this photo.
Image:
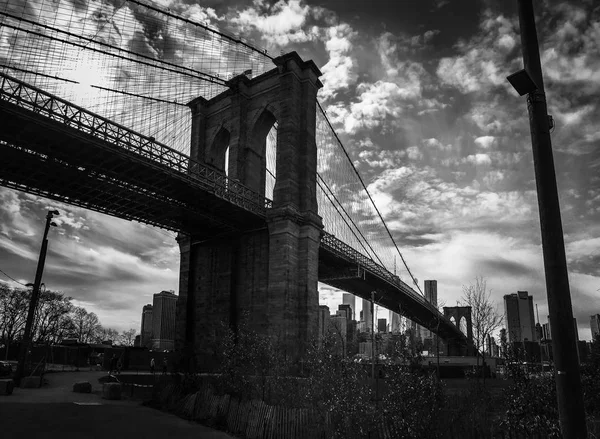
(34, 299)
(568, 380)
(372, 334)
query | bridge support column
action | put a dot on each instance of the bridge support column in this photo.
(265, 278)
(293, 276)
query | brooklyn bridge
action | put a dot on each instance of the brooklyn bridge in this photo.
(210, 137)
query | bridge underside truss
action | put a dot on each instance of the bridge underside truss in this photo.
(46, 151)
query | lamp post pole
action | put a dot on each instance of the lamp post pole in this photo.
(372, 334)
(33, 301)
(568, 380)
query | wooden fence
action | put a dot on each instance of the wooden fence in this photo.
(254, 419)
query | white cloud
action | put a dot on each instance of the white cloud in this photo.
(485, 141)
(479, 66)
(279, 24)
(340, 71)
(414, 153)
(478, 159)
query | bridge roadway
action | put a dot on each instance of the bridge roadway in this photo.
(52, 148)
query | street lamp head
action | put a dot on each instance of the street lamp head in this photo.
(53, 224)
(55, 212)
(522, 82)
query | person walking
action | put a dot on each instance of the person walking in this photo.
(113, 364)
(152, 365)
(164, 371)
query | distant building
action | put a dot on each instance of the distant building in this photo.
(350, 299)
(346, 310)
(339, 329)
(146, 330)
(546, 334)
(382, 325)
(163, 320)
(367, 316)
(520, 323)
(396, 323)
(431, 292)
(431, 297)
(595, 326)
(492, 347)
(323, 322)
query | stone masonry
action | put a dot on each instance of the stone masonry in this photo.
(265, 278)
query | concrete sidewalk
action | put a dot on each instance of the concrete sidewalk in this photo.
(54, 410)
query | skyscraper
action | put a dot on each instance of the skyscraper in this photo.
(367, 316)
(163, 320)
(346, 310)
(431, 292)
(146, 330)
(395, 319)
(595, 326)
(324, 318)
(520, 323)
(350, 299)
(431, 297)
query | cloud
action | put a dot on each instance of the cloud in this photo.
(279, 24)
(340, 71)
(478, 159)
(483, 61)
(485, 141)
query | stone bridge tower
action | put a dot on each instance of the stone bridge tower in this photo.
(456, 314)
(265, 279)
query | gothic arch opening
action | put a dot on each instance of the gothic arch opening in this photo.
(453, 320)
(463, 325)
(271, 162)
(264, 145)
(219, 151)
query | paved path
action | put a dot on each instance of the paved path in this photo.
(56, 411)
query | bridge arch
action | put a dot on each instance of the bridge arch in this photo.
(261, 175)
(218, 153)
(460, 316)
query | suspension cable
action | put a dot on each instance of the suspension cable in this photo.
(370, 198)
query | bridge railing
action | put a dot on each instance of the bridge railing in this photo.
(38, 101)
(337, 246)
(344, 250)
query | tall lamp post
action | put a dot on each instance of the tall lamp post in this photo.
(568, 380)
(34, 299)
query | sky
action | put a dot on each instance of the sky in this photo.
(417, 92)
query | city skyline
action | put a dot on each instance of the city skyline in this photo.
(417, 93)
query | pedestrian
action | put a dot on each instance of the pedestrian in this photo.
(113, 364)
(164, 366)
(119, 366)
(152, 365)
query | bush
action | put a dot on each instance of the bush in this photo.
(413, 404)
(531, 405)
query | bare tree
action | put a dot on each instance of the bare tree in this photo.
(127, 337)
(484, 314)
(87, 325)
(105, 334)
(13, 312)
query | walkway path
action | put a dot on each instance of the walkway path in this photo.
(54, 410)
